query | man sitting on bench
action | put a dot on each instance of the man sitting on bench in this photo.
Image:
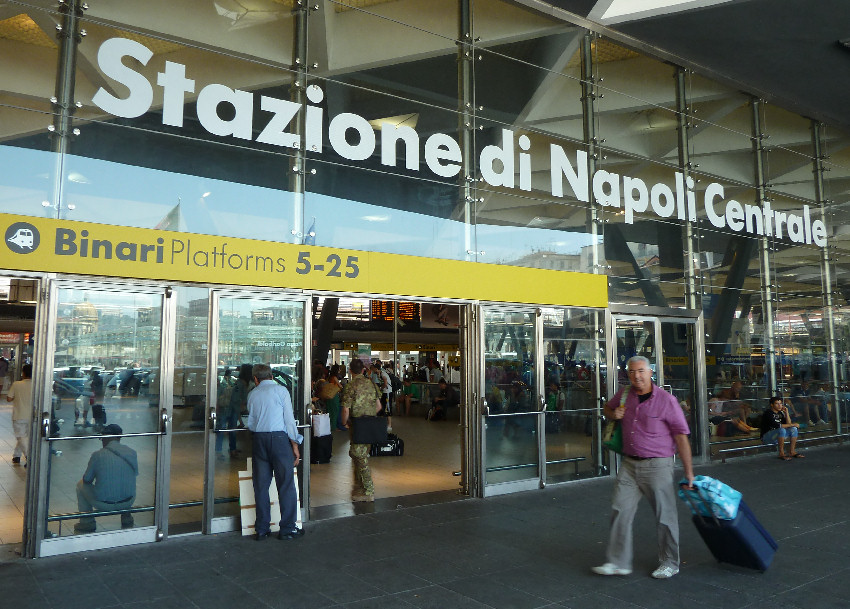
(776, 425)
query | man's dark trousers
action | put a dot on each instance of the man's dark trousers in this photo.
(272, 454)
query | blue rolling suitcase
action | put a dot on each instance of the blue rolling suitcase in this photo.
(741, 541)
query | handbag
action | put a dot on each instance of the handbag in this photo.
(321, 424)
(326, 390)
(368, 430)
(612, 435)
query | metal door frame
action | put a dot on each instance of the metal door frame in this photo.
(38, 544)
(539, 481)
(210, 523)
(659, 315)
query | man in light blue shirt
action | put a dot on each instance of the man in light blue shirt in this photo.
(275, 451)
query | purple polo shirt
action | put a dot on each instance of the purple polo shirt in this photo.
(649, 427)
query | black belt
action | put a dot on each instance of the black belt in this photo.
(639, 458)
(119, 501)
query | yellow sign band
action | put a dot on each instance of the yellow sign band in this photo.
(63, 246)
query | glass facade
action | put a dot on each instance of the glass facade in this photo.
(462, 131)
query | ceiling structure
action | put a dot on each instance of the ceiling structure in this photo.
(787, 51)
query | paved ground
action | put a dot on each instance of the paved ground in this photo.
(528, 550)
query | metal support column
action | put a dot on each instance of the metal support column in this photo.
(62, 129)
(298, 94)
(472, 461)
(826, 274)
(466, 124)
(764, 252)
(588, 99)
(688, 237)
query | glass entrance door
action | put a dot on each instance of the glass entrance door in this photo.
(103, 427)
(248, 329)
(513, 415)
(674, 348)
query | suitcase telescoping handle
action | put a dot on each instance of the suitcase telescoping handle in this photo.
(695, 507)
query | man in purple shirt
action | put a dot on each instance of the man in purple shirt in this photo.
(654, 429)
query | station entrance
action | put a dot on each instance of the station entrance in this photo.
(156, 368)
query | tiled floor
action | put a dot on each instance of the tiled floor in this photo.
(426, 472)
(530, 550)
(12, 481)
(432, 455)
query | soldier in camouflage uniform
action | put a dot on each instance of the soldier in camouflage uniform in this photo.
(359, 399)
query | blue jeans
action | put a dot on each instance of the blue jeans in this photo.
(272, 454)
(772, 437)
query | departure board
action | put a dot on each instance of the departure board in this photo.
(382, 310)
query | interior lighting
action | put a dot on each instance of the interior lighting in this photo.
(407, 120)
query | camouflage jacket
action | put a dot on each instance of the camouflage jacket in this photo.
(359, 396)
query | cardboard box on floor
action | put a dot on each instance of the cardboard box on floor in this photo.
(248, 506)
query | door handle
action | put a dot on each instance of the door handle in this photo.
(163, 421)
(45, 424)
(212, 420)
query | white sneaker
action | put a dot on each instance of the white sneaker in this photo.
(664, 572)
(610, 568)
(821, 422)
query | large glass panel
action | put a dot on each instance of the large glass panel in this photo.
(571, 351)
(729, 280)
(511, 442)
(637, 170)
(251, 331)
(636, 107)
(151, 107)
(258, 29)
(106, 358)
(720, 136)
(28, 60)
(189, 410)
(525, 214)
(789, 153)
(634, 337)
(384, 176)
(679, 350)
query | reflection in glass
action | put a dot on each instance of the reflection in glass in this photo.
(189, 406)
(634, 337)
(106, 360)
(510, 390)
(114, 475)
(251, 331)
(571, 359)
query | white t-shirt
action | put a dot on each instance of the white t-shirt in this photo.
(21, 394)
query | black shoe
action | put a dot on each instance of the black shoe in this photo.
(293, 534)
(261, 536)
(16, 459)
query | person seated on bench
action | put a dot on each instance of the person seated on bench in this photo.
(805, 405)
(444, 398)
(717, 414)
(776, 425)
(734, 405)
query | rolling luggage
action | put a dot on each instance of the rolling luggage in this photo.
(740, 541)
(321, 449)
(393, 447)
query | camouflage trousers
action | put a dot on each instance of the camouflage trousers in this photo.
(359, 454)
